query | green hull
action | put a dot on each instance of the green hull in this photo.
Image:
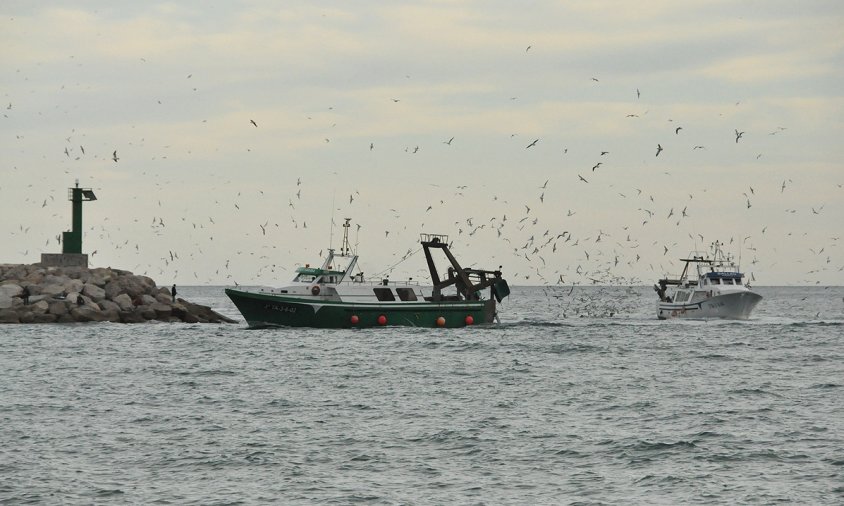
(270, 310)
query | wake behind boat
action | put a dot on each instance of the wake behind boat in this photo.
(331, 297)
(717, 292)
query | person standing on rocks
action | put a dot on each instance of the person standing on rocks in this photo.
(25, 295)
(173, 293)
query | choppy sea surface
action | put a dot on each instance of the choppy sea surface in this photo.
(578, 397)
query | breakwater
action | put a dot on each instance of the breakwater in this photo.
(33, 293)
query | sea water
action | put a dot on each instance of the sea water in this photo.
(579, 396)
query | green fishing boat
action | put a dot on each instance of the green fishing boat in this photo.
(331, 297)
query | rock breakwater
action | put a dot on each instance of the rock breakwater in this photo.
(37, 294)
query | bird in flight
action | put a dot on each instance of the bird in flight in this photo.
(532, 144)
(738, 135)
(253, 123)
(582, 178)
(448, 141)
(114, 156)
(658, 149)
(677, 130)
(596, 166)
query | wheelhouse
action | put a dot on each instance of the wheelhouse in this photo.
(721, 278)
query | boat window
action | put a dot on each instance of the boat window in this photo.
(406, 294)
(384, 294)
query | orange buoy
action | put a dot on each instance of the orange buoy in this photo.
(440, 322)
(355, 319)
(382, 320)
(469, 320)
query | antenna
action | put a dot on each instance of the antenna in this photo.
(331, 227)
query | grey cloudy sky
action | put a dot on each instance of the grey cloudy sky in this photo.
(355, 103)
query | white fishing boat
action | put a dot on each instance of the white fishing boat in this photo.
(717, 291)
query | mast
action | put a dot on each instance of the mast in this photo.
(345, 249)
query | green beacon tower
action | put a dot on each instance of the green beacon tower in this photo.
(72, 241)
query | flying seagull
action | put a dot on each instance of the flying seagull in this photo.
(253, 123)
(738, 135)
(658, 149)
(114, 156)
(532, 144)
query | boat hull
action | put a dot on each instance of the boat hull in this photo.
(730, 306)
(270, 310)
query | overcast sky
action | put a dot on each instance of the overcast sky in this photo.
(526, 131)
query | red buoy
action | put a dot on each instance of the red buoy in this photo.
(355, 319)
(440, 322)
(470, 320)
(382, 320)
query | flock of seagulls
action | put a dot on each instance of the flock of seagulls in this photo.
(543, 238)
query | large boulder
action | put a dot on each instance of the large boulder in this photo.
(132, 316)
(58, 308)
(51, 290)
(40, 307)
(108, 305)
(147, 312)
(11, 290)
(124, 301)
(131, 285)
(205, 313)
(5, 301)
(162, 311)
(147, 300)
(93, 291)
(53, 279)
(44, 318)
(100, 276)
(73, 285)
(87, 314)
(9, 316)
